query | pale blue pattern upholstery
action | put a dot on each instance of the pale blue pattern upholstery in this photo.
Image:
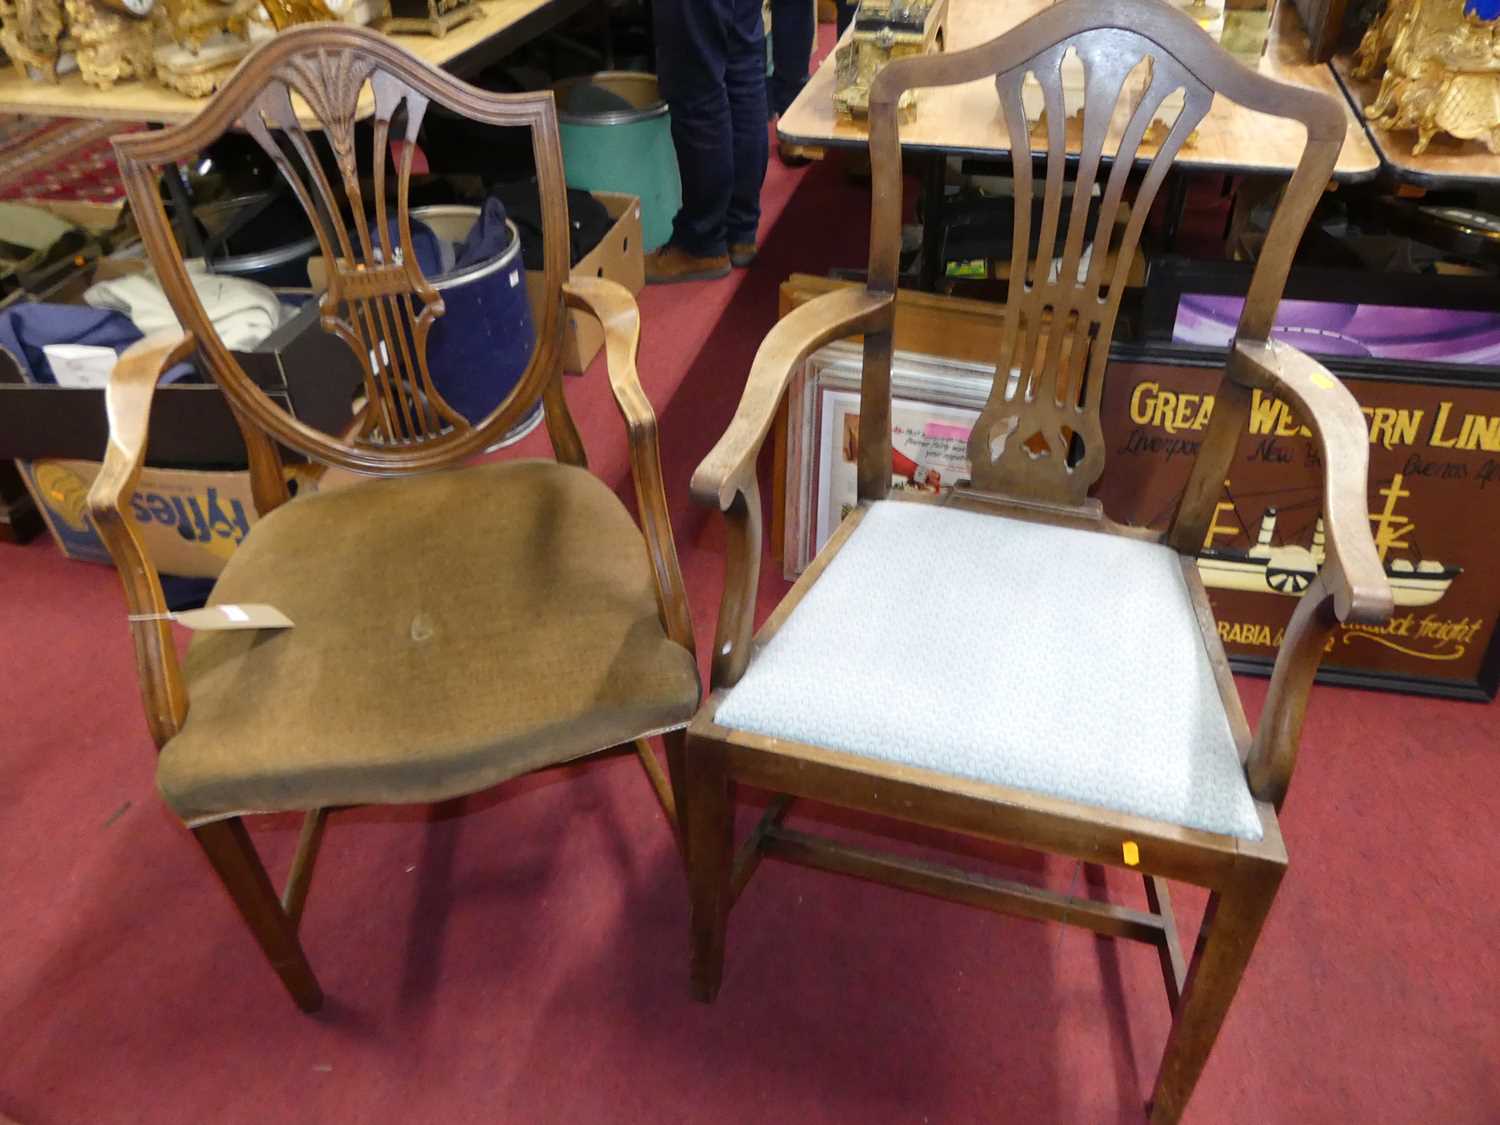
(1059, 661)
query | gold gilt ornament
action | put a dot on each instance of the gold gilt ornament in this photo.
(884, 30)
(1442, 72)
(110, 44)
(192, 23)
(31, 36)
(109, 39)
(428, 17)
(286, 13)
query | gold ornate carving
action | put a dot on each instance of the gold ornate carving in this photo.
(198, 72)
(1442, 72)
(31, 33)
(193, 23)
(287, 13)
(110, 44)
(884, 30)
(440, 17)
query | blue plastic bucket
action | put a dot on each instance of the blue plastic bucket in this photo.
(478, 349)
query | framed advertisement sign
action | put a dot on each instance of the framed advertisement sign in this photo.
(1434, 505)
(1434, 494)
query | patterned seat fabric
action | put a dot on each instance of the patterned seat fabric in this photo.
(1065, 662)
(451, 631)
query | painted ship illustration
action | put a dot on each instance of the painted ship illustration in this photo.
(1289, 569)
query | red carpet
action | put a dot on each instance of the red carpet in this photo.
(522, 955)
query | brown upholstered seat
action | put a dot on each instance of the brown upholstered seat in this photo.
(451, 631)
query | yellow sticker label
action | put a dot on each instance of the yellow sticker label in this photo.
(1132, 853)
(1322, 380)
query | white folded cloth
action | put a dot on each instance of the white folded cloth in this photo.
(243, 312)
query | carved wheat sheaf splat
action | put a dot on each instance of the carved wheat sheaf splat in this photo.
(1039, 434)
(377, 300)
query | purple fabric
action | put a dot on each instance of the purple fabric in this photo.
(1352, 329)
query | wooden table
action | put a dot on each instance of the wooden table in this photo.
(505, 25)
(966, 120)
(1447, 163)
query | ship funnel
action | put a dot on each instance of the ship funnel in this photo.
(1267, 528)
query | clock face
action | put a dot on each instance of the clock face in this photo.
(132, 7)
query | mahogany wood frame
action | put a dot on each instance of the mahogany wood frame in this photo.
(380, 304)
(1054, 390)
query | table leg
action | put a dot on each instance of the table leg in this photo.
(934, 220)
(1176, 205)
(182, 208)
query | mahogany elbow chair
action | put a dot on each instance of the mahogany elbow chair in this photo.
(453, 626)
(1051, 731)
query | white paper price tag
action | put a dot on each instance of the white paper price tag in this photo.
(213, 618)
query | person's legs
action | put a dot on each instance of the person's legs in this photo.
(846, 14)
(792, 25)
(692, 40)
(745, 81)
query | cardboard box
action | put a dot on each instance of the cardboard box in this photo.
(189, 521)
(618, 257)
(308, 372)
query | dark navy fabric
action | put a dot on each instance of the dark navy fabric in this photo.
(25, 328)
(487, 239)
(711, 62)
(792, 27)
(425, 244)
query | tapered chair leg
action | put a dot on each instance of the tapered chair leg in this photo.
(710, 820)
(1231, 926)
(676, 743)
(228, 847)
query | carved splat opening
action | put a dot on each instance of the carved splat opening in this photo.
(1089, 102)
(1000, 433)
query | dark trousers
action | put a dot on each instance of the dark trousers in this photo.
(711, 60)
(846, 14)
(792, 25)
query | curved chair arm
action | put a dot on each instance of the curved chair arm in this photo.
(730, 466)
(132, 384)
(726, 478)
(1353, 572)
(1351, 586)
(615, 309)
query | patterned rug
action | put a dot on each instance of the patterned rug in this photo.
(62, 159)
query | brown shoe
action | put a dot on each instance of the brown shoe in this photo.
(791, 155)
(741, 254)
(672, 264)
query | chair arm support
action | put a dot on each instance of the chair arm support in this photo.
(132, 384)
(1351, 586)
(615, 309)
(729, 467)
(726, 478)
(1353, 573)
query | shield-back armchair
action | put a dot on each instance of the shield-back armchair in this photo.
(455, 624)
(1052, 726)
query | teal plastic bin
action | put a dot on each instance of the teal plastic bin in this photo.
(617, 136)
